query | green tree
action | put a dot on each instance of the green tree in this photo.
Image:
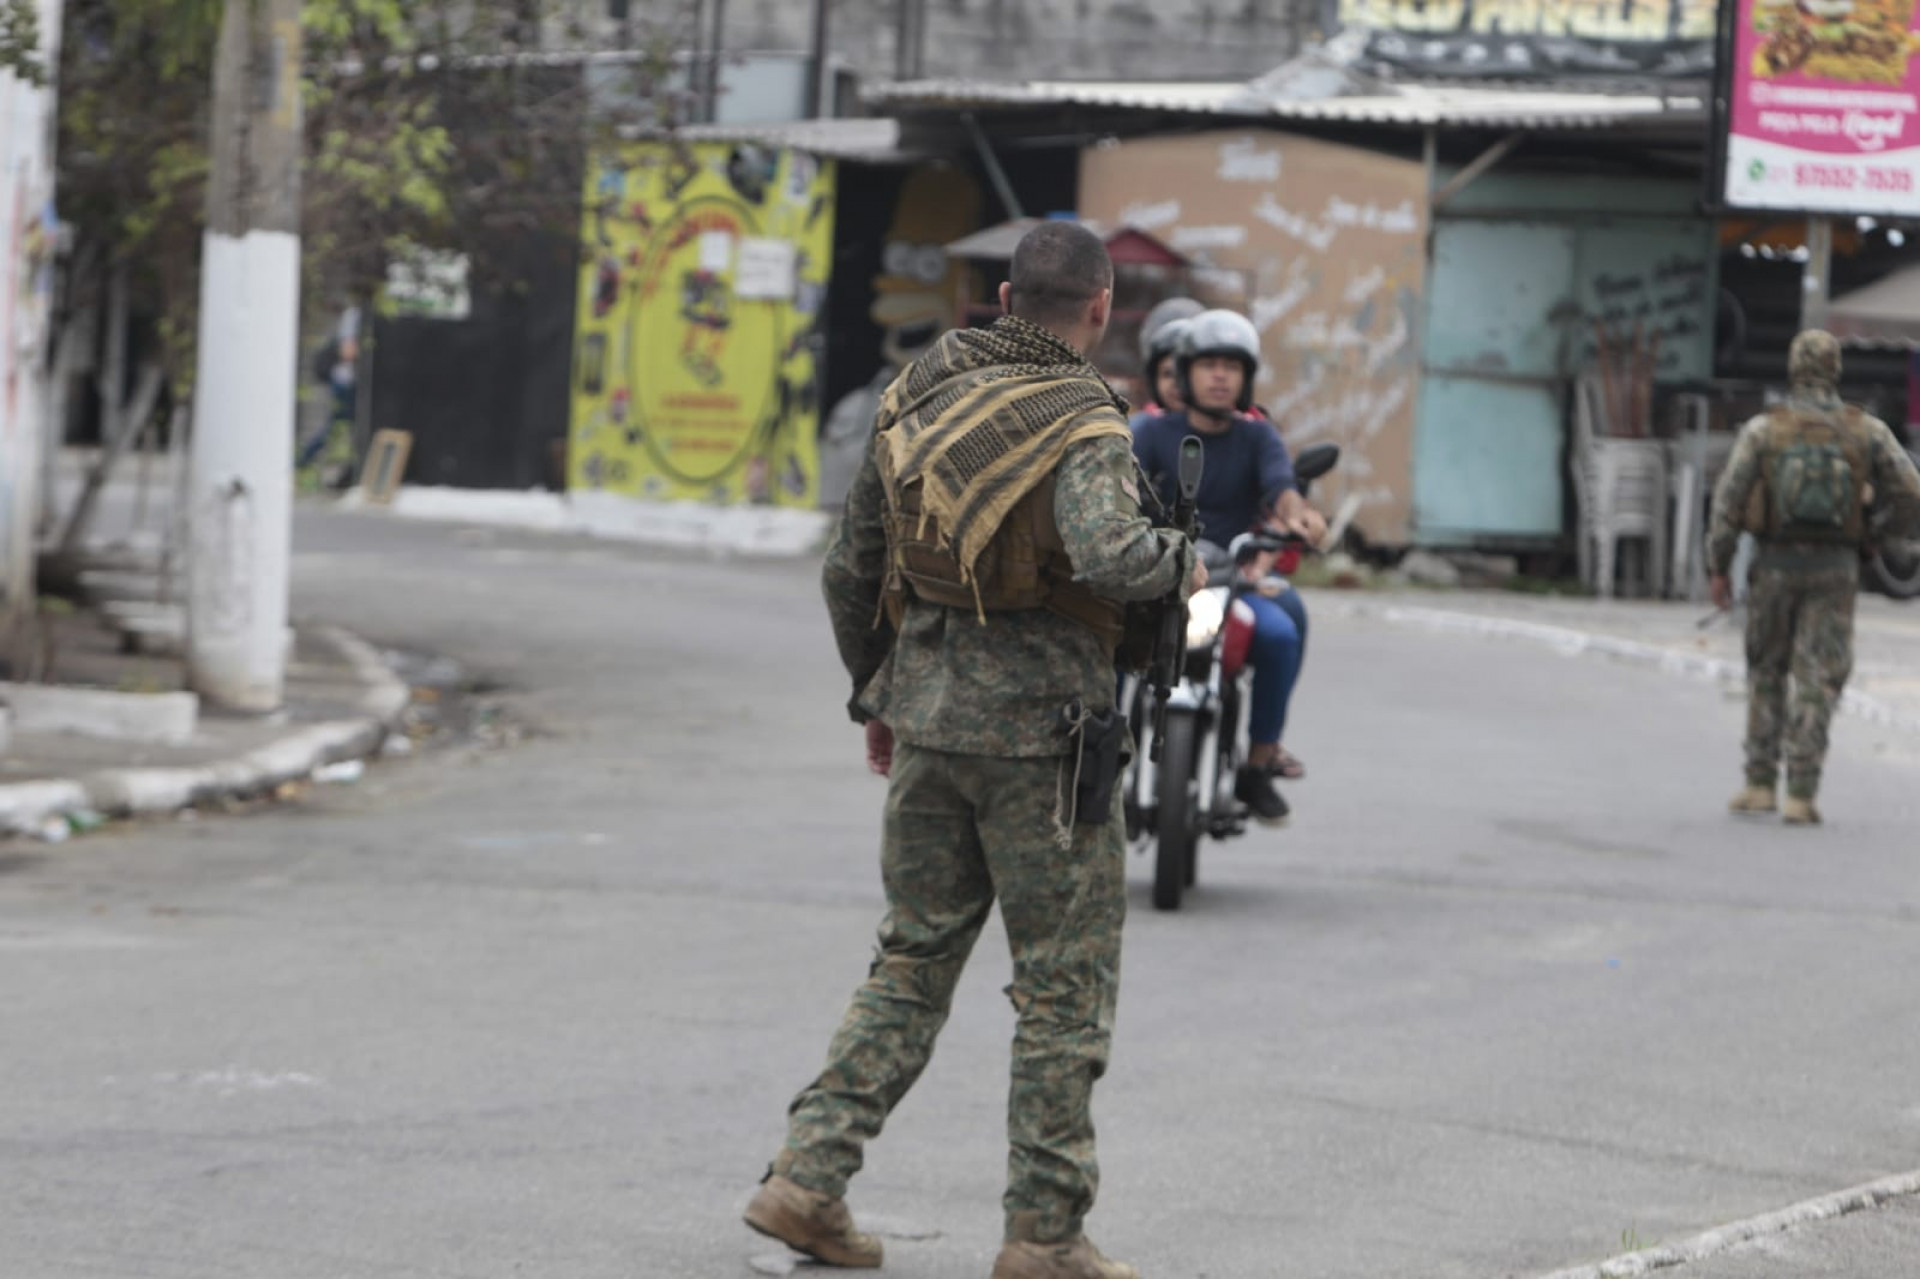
(429, 123)
(20, 41)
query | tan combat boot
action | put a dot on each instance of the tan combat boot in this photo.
(1076, 1260)
(1800, 812)
(810, 1222)
(1753, 800)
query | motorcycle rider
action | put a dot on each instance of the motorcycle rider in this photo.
(1161, 335)
(1248, 481)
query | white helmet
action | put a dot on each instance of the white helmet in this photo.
(1219, 333)
(1167, 341)
(1161, 317)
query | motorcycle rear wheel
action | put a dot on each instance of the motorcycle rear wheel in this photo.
(1894, 571)
(1175, 834)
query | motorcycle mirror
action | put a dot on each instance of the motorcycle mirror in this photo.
(1193, 463)
(1316, 461)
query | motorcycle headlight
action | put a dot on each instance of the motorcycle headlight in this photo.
(1205, 614)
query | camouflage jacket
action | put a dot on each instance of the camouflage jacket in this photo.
(1895, 510)
(948, 681)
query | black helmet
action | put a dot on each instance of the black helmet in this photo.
(1219, 333)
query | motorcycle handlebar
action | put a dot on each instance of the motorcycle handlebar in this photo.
(1248, 545)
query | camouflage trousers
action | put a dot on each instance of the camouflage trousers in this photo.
(961, 831)
(1799, 625)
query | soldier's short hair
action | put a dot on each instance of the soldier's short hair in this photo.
(1814, 357)
(1058, 267)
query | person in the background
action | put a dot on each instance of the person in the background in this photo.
(1804, 477)
(336, 366)
(1160, 336)
(1248, 481)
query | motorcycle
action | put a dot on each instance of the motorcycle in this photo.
(1179, 784)
(1893, 565)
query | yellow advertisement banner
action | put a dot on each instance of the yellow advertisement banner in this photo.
(696, 359)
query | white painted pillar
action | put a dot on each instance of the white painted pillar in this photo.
(240, 468)
(240, 462)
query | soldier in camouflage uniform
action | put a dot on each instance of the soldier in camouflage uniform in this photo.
(974, 585)
(1809, 478)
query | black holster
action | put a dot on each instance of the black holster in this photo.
(1102, 748)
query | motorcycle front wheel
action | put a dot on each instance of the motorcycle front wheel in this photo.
(1176, 831)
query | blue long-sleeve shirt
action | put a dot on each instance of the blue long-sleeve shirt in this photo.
(1246, 471)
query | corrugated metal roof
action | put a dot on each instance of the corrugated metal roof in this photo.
(843, 139)
(1499, 106)
(1186, 96)
(998, 242)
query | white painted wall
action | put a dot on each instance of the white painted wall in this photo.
(26, 280)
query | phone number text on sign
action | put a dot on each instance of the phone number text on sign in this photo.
(1840, 177)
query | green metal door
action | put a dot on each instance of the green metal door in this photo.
(1489, 443)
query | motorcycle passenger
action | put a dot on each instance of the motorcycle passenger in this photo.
(1248, 482)
(1160, 335)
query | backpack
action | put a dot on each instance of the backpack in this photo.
(1816, 472)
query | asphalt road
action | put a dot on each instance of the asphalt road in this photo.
(1509, 994)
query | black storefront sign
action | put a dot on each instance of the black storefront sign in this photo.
(1530, 39)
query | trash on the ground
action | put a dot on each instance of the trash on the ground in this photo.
(397, 744)
(84, 820)
(287, 791)
(347, 770)
(54, 830)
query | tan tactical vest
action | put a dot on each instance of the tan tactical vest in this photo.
(1024, 567)
(1801, 449)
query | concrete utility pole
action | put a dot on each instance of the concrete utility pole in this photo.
(240, 486)
(1816, 279)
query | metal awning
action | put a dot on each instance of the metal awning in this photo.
(872, 140)
(1127, 245)
(1884, 314)
(1411, 106)
(1190, 97)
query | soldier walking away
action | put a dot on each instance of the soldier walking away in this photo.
(977, 585)
(1813, 479)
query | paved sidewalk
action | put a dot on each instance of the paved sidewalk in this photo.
(341, 701)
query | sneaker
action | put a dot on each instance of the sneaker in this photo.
(1078, 1259)
(1752, 800)
(1254, 787)
(810, 1222)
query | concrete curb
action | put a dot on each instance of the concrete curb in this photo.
(1572, 643)
(140, 792)
(1726, 1238)
(165, 718)
(777, 531)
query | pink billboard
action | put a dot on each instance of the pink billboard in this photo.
(1823, 107)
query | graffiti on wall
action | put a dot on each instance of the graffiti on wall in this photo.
(1323, 247)
(696, 350)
